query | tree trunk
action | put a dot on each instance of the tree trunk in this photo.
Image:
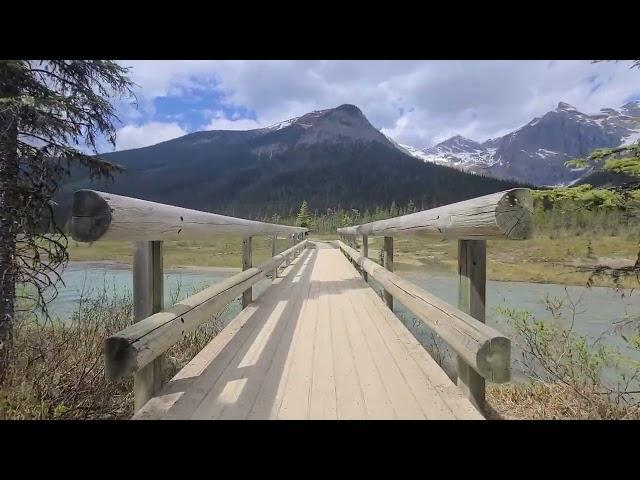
(8, 213)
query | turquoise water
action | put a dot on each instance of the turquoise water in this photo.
(88, 279)
(597, 309)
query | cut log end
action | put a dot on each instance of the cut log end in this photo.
(120, 360)
(91, 216)
(494, 360)
(514, 214)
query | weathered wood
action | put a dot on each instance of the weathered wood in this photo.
(246, 265)
(148, 297)
(472, 281)
(506, 214)
(105, 216)
(486, 350)
(365, 252)
(136, 346)
(274, 243)
(388, 264)
(319, 344)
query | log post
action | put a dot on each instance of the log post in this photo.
(273, 254)
(388, 264)
(365, 253)
(246, 265)
(148, 297)
(472, 282)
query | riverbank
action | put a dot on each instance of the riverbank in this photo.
(543, 259)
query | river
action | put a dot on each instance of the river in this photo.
(597, 308)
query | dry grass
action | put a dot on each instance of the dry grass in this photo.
(57, 371)
(547, 401)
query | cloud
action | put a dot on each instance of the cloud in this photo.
(220, 122)
(415, 102)
(132, 136)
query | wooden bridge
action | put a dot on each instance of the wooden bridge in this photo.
(319, 343)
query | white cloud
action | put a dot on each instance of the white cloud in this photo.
(220, 122)
(415, 102)
(133, 136)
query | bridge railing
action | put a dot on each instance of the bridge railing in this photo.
(483, 352)
(138, 349)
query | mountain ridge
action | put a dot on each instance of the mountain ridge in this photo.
(332, 158)
(536, 152)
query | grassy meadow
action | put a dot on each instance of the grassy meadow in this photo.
(542, 259)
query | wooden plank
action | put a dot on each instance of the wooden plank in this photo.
(269, 398)
(148, 296)
(273, 254)
(377, 401)
(349, 396)
(234, 393)
(105, 216)
(437, 395)
(437, 382)
(388, 264)
(482, 347)
(322, 404)
(365, 253)
(395, 389)
(261, 357)
(507, 214)
(297, 388)
(472, 281)
(246, 265)
(202, 400)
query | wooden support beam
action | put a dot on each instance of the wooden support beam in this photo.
(148, 297)
(365, 253)
(388, 264)
(246, 265)
(273, 254)
(472, 283)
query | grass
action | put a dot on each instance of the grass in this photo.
(57, 368)
(218, 252)
(542, 259)
(550, 401)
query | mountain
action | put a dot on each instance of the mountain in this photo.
(536, 152)
(332, 158)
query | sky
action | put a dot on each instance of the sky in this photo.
(417, 103)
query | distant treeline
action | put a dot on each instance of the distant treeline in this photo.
(570, 210)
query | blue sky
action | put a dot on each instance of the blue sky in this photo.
(418, 103)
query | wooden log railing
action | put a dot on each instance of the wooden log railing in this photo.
(483, 353)
(139, 349)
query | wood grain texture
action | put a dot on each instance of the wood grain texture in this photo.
(105, 216)
(485, 349)
(506, 214)
(137, 345)
(472, 285)
(318, 344)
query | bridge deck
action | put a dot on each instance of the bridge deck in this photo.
(318, 344)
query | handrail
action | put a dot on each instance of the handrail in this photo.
(485, 349)
(131, 349)
(507, 214)
(105, 216)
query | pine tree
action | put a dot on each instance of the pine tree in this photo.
(48, 108)
(304, 216)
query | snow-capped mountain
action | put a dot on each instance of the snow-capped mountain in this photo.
(536, 152)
